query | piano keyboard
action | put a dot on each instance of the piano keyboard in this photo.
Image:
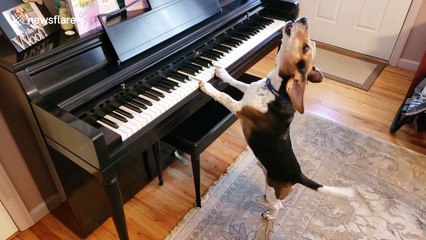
(136, 107)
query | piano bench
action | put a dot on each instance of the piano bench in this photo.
(201, 129)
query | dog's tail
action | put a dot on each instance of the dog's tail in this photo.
(346, 192)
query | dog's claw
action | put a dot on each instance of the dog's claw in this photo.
(267, 216)
(206, 87)
(222, 74)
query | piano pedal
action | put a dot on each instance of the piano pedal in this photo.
(180, 158)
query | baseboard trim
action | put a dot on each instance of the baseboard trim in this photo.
(350, 53)
(408, 64)
(44, 208)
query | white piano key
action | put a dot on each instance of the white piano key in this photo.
(175, 95)
(131, 123)
(136, 120)
(144, 114)
(123, 135)
(129, 129)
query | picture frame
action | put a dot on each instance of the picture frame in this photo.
(25, 23)
(85, 13)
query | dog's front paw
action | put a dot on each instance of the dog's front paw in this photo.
(206, 87)
(222, 74)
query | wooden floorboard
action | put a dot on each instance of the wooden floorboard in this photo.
(155, 210)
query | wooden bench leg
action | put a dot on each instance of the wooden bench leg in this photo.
(195, 162)
(157, 158)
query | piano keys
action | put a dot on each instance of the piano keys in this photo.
(136, 106)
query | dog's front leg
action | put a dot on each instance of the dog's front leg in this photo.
(224, 76)
(223, 98)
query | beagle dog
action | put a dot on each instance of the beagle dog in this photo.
(267, 109)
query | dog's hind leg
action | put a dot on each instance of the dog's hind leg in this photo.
(224, 76)
(276, 191)
(273, 203)
(223, 98)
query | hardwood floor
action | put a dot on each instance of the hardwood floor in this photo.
(156, 210)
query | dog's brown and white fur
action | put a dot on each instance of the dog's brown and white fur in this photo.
(265, 113)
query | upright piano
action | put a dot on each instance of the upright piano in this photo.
(102, 100)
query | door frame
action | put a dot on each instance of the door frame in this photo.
(8, 228)
(405, 32)
(13, 202)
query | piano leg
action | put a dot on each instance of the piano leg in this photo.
(115, 202)
(195, 162)
(156, 149)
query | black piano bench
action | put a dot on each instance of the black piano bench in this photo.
(201, 129)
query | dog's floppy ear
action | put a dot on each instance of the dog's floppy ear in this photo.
(315, 75)
(295, 90)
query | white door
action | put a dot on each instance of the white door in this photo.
(370, 27)
(7, 226)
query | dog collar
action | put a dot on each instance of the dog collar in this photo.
(271, 88)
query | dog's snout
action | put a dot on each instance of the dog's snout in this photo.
(303, 20)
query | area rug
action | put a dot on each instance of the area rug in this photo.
(349, 70)
(390, 180)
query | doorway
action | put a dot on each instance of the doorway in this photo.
(370, 27)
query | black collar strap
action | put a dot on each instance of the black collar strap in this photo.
(271, 88)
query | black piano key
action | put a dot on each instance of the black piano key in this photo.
(173, 83)
(118, 116)
(242, 33)
(156, 93)
(125, 100)
(249, 33)
(215, 53)
(236, 40)
(132, 107)
(138, 104)
(209, 56)
(265, 21)
(229, 42)
(143, 100)
(258, 26)
(188, 70)
(194, 66)
(179, 77)
(222, 48)
(250, 30)
(242, 37)
(202, 62)
(114, 105)
(233, 36)
(110, 123)
(150, 96)
(164, 84)
(124, 113)
(163, 87)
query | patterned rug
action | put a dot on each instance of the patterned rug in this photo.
(390, 180)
